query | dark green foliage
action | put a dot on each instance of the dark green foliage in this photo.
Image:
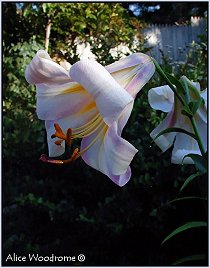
(20, 125)
(168, 12)
(73, 209)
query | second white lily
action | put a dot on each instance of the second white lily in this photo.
(162, 98)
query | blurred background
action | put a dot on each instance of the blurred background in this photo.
(74, 209)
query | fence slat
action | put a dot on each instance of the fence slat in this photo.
(173, 40)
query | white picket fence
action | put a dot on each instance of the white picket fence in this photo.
(173, 40)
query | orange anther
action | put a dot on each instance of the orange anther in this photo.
(58, 132)
(58, 142)
(58, 128)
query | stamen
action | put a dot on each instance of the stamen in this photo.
(58, 132)
(75, 153)
(89, 123)
(88, 129)
(104, 129)
(73, 157)
(69, 137)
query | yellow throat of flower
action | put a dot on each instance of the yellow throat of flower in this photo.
(85, 130)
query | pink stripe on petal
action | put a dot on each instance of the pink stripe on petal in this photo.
(132, 60)
(142, 76)
(110, 154)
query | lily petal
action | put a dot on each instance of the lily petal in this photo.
(179, 154)
(123, 118)
(202, 111)
(57, 95)
(184, 145)
(112, 154)
(109, 96)
(203, 130)
(43, 70)
(197, 85)
(121, 180)
(165, 141)
(161, 98)
(68, 102)
(204, 95)
(132, 72)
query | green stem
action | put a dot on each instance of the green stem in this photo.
(199, 140)
(161, 73)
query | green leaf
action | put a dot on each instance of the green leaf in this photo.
(93, 25)
(186, 226)
(31, 197)
(197, 257)
(163, 74)
(186, 111)
(200, 163)
(188, 198)
(190, 178)
(168, 79)
(176, 129)
(176, 82)
(194, 105)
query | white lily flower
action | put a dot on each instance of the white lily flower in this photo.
(92, 103)
(162, 98)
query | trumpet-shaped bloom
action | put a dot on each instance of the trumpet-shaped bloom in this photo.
(162, 98)
(92, 103)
